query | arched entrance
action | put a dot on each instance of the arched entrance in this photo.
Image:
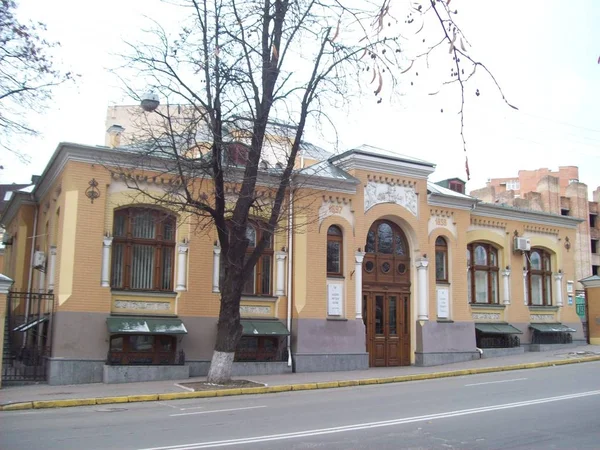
(386, 295)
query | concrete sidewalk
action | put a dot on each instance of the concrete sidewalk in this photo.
(42, 395)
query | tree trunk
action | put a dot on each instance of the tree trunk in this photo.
(229, 328)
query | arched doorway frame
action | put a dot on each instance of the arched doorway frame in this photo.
(407, 224)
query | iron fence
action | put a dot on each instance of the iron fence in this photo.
(27, 334)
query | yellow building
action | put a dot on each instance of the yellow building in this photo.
(374, 266)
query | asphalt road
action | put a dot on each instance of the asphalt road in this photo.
(556, 407)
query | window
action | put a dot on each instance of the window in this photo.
(142, 349)
(260, 348)
(259, 282)
(482, 275)
(334, 250)
(513, 185)
(457, 186)
(441, 260)
(143, 250)
(539, 278)
(593, 218)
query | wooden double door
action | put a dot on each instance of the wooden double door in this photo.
(387, 320)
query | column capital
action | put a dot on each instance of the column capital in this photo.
(5, 284)
(359, 256)
(558, 276)
(182, 247)
(506, 273)
(280, 255)
(106, 241)
(525, 272)
(53, 250)
(422, 263)
(217, 250)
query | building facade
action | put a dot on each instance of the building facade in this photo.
(558, 192)
(373, 266)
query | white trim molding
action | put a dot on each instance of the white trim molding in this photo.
(280, 286)
(182, 252)
(106, 246)
(506, 286)
(216, 268)
(358, 261)
(423, 291)
(558, 287)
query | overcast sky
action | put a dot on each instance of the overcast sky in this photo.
(544, 54)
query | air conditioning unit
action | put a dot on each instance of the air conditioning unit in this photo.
(522, 244)
(39, 260)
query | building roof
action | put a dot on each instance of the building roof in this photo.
(371, 150)
(6, 192)
(437, 189)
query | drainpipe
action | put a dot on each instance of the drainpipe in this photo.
(30, 279)
(289, 275)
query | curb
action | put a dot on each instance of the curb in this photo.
(45, 404)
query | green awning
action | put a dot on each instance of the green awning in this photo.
(145, 325)
(264, 328)
(551, 328)
(497, 328)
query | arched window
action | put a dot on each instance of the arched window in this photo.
(482, 277)
(382, 238)
(539, 277)
(334, 250)
(441, 260)
(143, 249)
(259, 283)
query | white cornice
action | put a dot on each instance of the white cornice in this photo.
(522, 215)
(591, 282)
(17, 199)
(447, 201)
(360, 160)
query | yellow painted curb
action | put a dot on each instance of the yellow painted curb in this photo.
(255, 390)
(108, 400)
(347, 383)
(175, 396)
(367, 381)
(202, 394)
(228, 392)
(385, 380)
(304, 387)
(142, 398)
(64, 403)
(17, 406)
(328, 385)
(280, 388)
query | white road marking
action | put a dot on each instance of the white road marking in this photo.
(494, 382)
(216, 411)
(192, 407)
(363, 426)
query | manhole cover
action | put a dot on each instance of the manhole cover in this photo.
(111, 409)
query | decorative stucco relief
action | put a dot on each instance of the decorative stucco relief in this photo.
(542, 318)
(336, 206)
(251, 309)
(151, 306)
(404, 195)
(486, 316)
(440, 218)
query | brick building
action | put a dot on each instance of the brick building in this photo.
(558, 192)
(380, 268)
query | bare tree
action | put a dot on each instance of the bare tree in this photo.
(248, 77)
(27, 74)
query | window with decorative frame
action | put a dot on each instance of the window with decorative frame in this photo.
(441, 260)
(142, 349)
(143, 249)
(334, 251)
(539, 277)
(482, 273)
(260, 281)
